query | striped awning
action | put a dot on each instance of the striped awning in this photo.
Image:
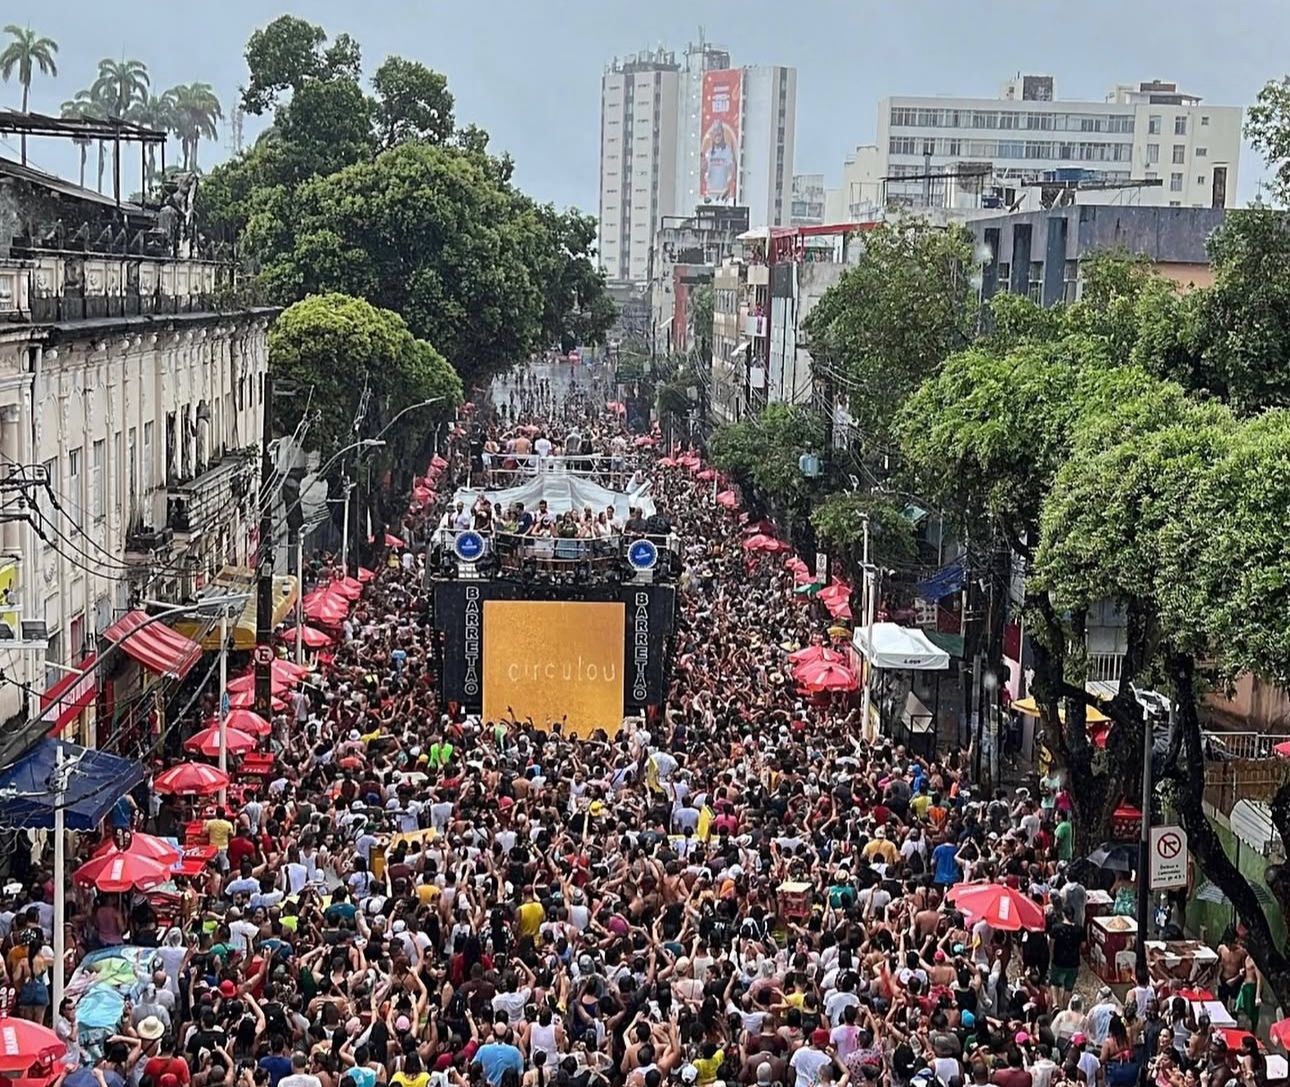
(154, 645)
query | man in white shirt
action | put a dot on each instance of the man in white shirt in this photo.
(542, 447)
(299, 1077)
(242, 934)
(807, 1061)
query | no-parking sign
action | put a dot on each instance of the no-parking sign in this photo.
(1168, 858)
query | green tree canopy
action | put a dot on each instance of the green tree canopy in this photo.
(891, 320)
(413, 103)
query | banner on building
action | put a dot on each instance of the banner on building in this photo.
(719, 149)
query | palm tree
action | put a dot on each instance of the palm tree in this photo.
(196, 113)
(26, 52)
(156, 112)
(80, 108)
(119, 85)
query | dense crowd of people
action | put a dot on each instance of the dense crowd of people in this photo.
(420, 897)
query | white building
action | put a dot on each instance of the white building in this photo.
(977, 152)
(131, 399)
(652, 120)
(860, 196)
(638, 156)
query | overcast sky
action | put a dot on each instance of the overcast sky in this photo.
(529, 70)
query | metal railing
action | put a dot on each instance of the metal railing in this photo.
(1242, 745)
(615, 471)
(536, 555)
(1105, 667)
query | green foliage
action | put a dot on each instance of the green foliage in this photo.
(422, 231)
(333, 344)
(26, 52)
(413, 103)
(1267, 127)
(701, 309)
(120, 84)
(763, 452)
(888, 323)
(325, 127)
(839, 522)
(280, 57)
(192, 111)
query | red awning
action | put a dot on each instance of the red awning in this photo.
(157, 647)
(72, 694)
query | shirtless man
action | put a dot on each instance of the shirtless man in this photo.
(1231, 970)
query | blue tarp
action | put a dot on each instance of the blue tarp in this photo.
(98, 781)
(948, 579)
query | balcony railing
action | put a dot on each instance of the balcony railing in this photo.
(57, 308)
(1242, 745)
(554, 558)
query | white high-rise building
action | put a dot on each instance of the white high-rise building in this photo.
(638, 149)
(959, 152)
(678, 135)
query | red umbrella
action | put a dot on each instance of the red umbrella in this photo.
(244, 720)
(728, 499)
(645, 440)
(289, 670)
(826, 676)
(348, 587)
(245, 700)
(438, 462)
(762, 542)
(813, 654)
(839, 609)
(191, 779)
(207, 741)
(118, 870)
(365, 575)
(796, 565)
(247, 683)
(392, 541)
(999, 906)
(24, 1043)
(143, 845)
(1283, 749)
(706, 476)
(309, 636)
(328, 608)
(666, 462)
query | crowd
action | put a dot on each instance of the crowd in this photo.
(418, 897)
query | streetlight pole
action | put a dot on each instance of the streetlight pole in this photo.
(870, 587)
(344, 532)
(59, 783)
(223, 699)
(300, 597)
(1144, 840)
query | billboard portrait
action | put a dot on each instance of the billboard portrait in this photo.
(719, 147)
(547, 658)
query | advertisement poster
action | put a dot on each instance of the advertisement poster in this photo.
(719, 151)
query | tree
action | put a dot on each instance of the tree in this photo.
(334, 344)
(325, 127)
(280, 57)
(155, 111)
(194, 113)
(119, 85)
(26, 52)
(763, 454)
(413, 103)
(701, 308)
(893, 318)
(1267, 127)
(80, 108)
(839, 521)
(422, 231)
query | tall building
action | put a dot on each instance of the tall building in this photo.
(810, 199)
(978, 152)
(638, 149)
(677, 135)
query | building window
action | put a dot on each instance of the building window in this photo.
(1036, 285)
(1180, 153)
(1153, 125)
(76, 636)
(1180, 125)
(75, 500)
(1153, 153)
(147, 457)
(54, 632)
(1070, 281)
(98, 484)
(1204, 121)
(1151, 175)
(1175, 203)
(1200, 179)
(1175, 182)
(1201, 152)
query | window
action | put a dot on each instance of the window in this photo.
(1201, 152)
(1151, 175)
(1153, 125)
(1200, 179)
(1070, 281)
(76, 639)
(75, 500)
(146, 484)
(1005, 276)
(1180, 125)
(98, 485)
(118, 469)
(54, 631)
(1175, 182)
(132, 468)
(1153, 153)
(1180, 153)
(1175, 203)
(1204, 121)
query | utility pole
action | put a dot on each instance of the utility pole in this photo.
(223, 698)
(59, 784)
(264, 566)
(870, 588)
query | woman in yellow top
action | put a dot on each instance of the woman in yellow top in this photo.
(411, 1074)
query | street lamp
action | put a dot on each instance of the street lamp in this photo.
(410, 407)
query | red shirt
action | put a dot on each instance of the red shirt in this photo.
(238, 848)
(160, 1066)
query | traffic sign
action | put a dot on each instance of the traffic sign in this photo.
(642, 555)
(1168, 858)
(263, 654)
(468, 546)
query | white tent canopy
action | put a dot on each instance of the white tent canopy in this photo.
(564, 493)
(900, 647)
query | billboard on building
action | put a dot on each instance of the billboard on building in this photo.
(719, 148)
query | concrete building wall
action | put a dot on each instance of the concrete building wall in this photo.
(768, 136)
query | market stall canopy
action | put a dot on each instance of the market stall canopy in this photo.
(99, 782)
(154, 645)
(230, 581)
(900, 647)
(564, 493)
(1028, 706)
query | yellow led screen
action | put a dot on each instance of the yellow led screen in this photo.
(547, 659)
